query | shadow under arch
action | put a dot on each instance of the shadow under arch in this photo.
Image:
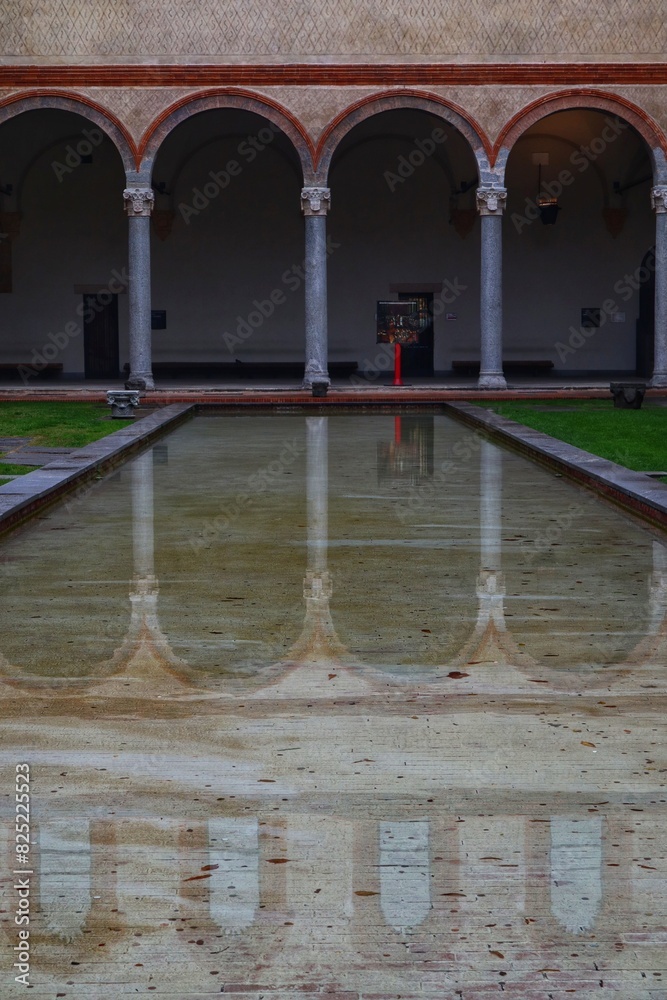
(221, 99)
(402, 100)
(590, 100)
(57, 100)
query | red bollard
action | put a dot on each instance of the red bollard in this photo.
(397, 365)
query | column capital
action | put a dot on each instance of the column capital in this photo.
(315, 200)
(139, 201)
(491, 200)
(659, 198)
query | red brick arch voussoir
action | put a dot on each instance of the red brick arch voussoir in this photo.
(67, 100)
(221, 98)
(593, 100)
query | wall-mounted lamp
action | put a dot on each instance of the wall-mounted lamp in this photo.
(548, 205)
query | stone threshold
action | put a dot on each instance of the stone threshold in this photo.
(636, 492)
(24, 496)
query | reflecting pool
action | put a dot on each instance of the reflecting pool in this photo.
(356, 706)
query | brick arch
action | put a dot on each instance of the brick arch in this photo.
(60, 100)
(592, 100)
(417, 100)
(230, 97)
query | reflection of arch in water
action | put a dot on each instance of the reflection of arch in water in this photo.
(64, 876)
(652, 649)
(145, 663)
(318, 663)
(491, 643)
(234, 887)
(405, 873)
(576, 871)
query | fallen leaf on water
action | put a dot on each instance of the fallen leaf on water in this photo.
(585, 743)
(209, 868)
(456, 674)
(193, 878)
(268, 781)
(498, 954)
(490, 857)
(366, 892)
(278, 861)
(331, 676)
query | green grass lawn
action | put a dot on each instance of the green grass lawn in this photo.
(56, 425)
(634, 438)
(9, 469)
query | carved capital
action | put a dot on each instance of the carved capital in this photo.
(491, 200)
(315, 200)
(659, 198)
(139, 201)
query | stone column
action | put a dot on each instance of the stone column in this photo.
(139, 205)
(491, 203)
(659, 202)
(315, 203)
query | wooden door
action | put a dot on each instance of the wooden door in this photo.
(418, 361)
(100, 336)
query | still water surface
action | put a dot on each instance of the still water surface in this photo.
(361, 704)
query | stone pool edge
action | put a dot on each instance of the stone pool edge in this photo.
(25, 496)
(633, 491)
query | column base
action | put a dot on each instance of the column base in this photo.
(312, 376)
(658, 381)
(141, 381)
(491, 380)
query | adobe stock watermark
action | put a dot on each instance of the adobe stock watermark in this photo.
(581, 159)
(292, 279)
(77, 154)
(624, 288)
(218, 180)
(57, 342)
(461, 452)
(256, 484)
(407, 165)
(548, 537)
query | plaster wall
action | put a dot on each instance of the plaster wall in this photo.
(347, 30)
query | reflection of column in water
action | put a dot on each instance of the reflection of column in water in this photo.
(234, 886)
(490, 506)
(490, 583)
(64, 883)
(576, 871)
(142, 515)
(405, 895)
(317, 492)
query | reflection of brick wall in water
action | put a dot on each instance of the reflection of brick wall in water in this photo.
(347, 28)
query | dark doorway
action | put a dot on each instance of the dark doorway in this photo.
(418, 361)
(646, 318)
(100, 336)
